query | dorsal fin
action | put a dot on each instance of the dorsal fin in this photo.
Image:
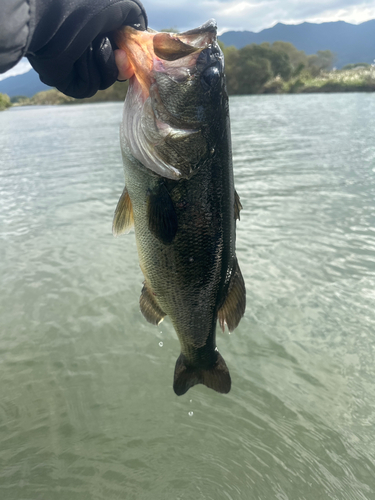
(149, 306)
(237, 206)
(234, 306)
(123, 220)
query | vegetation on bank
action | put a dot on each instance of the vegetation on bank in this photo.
(280, 68)
(4, 102)
(53, 97)
(249, 69)
(277, 68)
(349, 80)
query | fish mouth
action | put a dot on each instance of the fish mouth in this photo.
(172, 46)
(150, 51)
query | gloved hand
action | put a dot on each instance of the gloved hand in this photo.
(71, 46)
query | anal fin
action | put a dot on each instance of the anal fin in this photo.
(234, 305)
(149, 306)
(123, 220)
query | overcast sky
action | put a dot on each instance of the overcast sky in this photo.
(253, 15)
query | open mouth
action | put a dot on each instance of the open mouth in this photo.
(150, 51)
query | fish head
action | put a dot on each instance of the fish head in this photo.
(175, 99)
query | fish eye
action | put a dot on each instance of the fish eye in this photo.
(210, 76)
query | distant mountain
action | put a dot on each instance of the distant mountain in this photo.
(350, 42)
(26, 84)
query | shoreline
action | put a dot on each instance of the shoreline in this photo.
(277, 86)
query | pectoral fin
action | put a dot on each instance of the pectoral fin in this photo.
(162, 217)
(149, 306)
(234, 306)
(237, 206)
(123, 220)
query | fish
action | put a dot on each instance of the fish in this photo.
(179, 194)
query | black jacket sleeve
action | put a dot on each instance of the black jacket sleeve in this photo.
(68, 42)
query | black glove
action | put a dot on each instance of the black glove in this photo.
(71, 46)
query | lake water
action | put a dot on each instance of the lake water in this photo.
(87, 409)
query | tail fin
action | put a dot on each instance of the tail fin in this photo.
(216, 378)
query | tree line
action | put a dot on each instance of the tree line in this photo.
(249, 69)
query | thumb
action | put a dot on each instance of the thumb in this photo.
(125, 69)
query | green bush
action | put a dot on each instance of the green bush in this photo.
(272, 68)
(356, 65)
(19, 99)
(4, 102)
(50, 97)
(274, 86)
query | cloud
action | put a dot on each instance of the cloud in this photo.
(22, 67)
(254, 15)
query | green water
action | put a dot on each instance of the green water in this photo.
(87, 409)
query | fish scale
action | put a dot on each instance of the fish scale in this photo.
(179, 191)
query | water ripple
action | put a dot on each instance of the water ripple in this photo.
(87, 409)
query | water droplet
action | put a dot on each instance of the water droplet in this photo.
(160, 344)
(191, 413)
(191, 401)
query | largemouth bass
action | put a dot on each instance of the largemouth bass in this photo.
(179, 193)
